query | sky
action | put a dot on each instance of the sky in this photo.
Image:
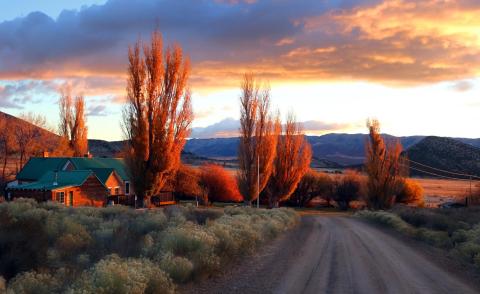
(414, 65)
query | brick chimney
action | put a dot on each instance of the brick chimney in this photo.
(45, 154)
(88, 155)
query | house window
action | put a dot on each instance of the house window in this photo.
(127, 188)
(117, 191)
(61, 197)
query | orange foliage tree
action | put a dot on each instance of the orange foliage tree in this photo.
(382, 167)
(8, 147)
(72, 126)
(30, 136)
(187, 182)
(348, 187)
(258, 139)
(410, 192)
(312, 184)
(218, 184)
(157, 115)
(291, 163)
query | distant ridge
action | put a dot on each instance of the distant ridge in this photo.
(329, 151)
(437, 155)
(50, 139)
(332, 149)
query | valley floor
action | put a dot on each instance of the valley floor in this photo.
(340, 254)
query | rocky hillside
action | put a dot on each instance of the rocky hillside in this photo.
(445, 154)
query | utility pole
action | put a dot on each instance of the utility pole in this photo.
(470, 190)
(258, 181)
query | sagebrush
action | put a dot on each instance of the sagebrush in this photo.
(50, 248)
(457, 230)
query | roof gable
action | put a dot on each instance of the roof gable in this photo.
(103, 173)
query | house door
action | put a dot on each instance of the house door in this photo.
(70, 198)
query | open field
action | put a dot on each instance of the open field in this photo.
(437, 191)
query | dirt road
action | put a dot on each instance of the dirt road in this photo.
(336, 255)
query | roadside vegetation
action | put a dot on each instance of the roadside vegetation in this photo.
(49, 248)
(455, 230)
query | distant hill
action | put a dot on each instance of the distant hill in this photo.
(445, 154)
(101, 148)
(329, 151)
(338, 149)
(214, 148)
(349, 149)
(50, 139)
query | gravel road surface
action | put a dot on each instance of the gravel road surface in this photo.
(336, 254)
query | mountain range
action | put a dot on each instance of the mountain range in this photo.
(461, 155)
(343, 149)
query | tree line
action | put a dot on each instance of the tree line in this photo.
(274, 155)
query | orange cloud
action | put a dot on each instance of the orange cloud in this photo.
(396, 42)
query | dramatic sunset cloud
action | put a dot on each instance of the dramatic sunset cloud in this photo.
(401, 44)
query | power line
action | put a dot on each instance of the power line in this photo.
(442, 170)
(437, 175)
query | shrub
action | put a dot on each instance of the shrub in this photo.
(81, 247)
(23, 236)
(467, 251)
(201, 215)
(312, 184)
(192, 241)
(3, 286)
(34, 283)
(236, 235)
(218, 184)
(388, 219)
(410, 192)
(186, 183)
(178, 268)
(429, 218)
(347, 188)
(434, 228)
(243, 228)
(435, 238)
(115, 275)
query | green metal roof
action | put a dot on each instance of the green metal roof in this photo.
(62, 179)
(103, 173)
(36, 167)
(118, 164)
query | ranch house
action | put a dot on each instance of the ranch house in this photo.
(74, 181)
